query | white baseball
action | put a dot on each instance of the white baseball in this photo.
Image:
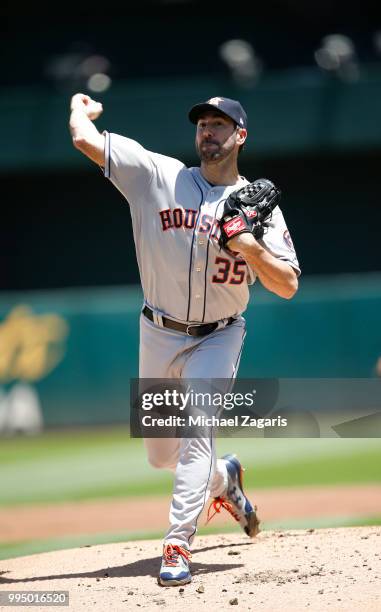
(94, 109)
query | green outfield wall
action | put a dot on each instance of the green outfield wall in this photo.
(78, 349)
(291, 111)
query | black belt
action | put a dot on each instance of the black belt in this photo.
(193, 329)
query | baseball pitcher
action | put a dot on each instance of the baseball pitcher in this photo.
(203, 235)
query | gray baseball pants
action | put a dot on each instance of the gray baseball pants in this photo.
(198, 474)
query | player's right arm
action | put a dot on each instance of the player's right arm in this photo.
(85, 135)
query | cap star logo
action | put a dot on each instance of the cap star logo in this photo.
(215, 101)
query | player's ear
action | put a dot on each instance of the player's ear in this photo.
(241, 135)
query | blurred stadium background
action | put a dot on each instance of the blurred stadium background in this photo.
(309, 76)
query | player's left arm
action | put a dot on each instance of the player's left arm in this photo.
(276, 275)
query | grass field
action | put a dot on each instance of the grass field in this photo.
(106, 463)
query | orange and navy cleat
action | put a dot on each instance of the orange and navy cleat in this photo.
(174, 569)
(235, 501)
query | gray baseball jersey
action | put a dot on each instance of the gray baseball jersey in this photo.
(175, 211)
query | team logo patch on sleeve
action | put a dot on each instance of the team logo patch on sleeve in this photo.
(233, 226)
(288, 241)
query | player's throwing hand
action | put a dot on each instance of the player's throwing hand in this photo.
(83, 102)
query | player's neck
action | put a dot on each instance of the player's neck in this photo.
(218, 174)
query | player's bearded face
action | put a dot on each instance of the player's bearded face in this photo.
(215, 139)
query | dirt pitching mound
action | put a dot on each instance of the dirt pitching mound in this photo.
(325, 569)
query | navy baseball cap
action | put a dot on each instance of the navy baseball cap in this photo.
(231, 108)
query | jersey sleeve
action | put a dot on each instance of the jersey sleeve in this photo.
(278, 242)
(128, 166)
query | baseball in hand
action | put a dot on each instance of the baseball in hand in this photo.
(92, 108)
